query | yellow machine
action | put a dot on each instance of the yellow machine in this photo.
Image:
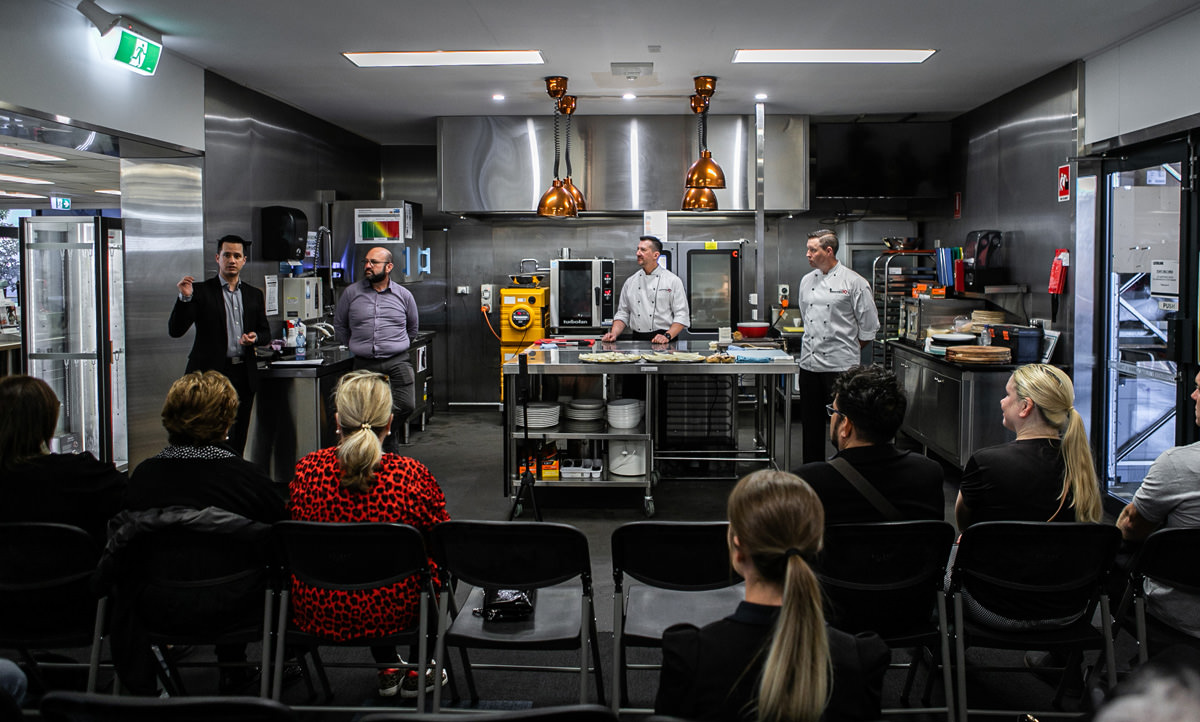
(523, 315)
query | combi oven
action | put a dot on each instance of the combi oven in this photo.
(712, 274)
(582, 296)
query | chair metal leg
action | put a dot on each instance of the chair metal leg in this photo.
(948, 662)
(265, 670)
(960, 657)
(315, 653)
(599, 674)
(472, 694)
(280, 634)
(97, 641)
(439, 646)
(619, 683)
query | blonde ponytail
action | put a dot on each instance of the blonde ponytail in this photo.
(1050, 389)
(778, 521)
(364, 403)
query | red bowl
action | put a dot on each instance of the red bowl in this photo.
(753, 329)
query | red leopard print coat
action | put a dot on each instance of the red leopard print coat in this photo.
(405, 493)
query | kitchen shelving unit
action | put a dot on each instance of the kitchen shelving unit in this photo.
(892, 277)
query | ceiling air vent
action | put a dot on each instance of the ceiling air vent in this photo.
(632, 71)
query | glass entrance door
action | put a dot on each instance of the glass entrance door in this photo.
(1146, 285)
(72, 303)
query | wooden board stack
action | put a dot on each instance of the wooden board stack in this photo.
(979, 354)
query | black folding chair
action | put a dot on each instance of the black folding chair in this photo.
(1031, 573)
(564, 713)
(185, 586)
(519, 555)
(46, 593)
(1166, 558)
(76, 707)
(887, 577)
(684, 575)
(355, 556)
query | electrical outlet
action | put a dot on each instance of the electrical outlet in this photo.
(487, 295)
(464, 290)
(784, 291)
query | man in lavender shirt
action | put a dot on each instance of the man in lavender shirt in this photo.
(377, 319)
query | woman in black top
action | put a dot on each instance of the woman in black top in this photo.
(773, 658)
(36, 485)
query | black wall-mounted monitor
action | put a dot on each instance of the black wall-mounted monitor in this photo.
(883, 160)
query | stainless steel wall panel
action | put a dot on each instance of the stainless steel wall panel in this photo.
(1015, 145)
(162, 206)
(503, 164)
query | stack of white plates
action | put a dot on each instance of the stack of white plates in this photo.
(625, 413)
(541, 414)
(585, 410)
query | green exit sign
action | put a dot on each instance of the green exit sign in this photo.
(137, 53)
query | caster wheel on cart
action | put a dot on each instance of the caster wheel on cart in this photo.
(654, 476)
(648, 508)
(518, 511)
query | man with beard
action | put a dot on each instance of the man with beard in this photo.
(653, 303)
(377, 320)
(230, 318)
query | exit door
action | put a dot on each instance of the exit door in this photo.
(1148, 286)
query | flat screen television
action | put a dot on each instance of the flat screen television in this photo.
(883, 160)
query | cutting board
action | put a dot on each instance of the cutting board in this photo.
(979, 354)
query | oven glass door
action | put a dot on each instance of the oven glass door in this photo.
(575, 294)
(713, 288)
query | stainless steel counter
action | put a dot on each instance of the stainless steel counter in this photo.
(769, 380)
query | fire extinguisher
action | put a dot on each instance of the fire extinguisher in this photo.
(1058, 279)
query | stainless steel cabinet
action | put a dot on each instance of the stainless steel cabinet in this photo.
(952, 410)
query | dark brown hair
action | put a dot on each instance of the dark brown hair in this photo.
(28, 420)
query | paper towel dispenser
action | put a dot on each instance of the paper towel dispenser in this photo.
(284, 233)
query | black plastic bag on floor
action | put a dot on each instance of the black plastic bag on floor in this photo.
(507, 605)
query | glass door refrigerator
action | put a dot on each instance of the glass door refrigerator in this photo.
(72, 290)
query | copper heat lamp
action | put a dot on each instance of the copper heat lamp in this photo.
(704, 175)
(557, 202)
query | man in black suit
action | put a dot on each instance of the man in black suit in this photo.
(867, 410)
(230, 318)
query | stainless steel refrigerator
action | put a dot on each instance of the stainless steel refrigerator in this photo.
(72, 292)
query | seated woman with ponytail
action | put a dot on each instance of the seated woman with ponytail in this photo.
(356, 482)
(1047, 473)
(773, 659)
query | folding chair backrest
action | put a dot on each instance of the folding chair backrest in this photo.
(885, 576)
(511, 553)
(1034, 570)
(186, 582)
(350, 556)
(690, 556)
(77, 707)
(567, 713)
(1168, 556)
(45, 585)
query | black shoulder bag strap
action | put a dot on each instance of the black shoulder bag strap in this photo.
(867, 489)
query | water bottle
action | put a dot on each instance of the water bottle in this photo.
(301, 342)
(985, 338)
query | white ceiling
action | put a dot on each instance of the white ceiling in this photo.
(291, 50)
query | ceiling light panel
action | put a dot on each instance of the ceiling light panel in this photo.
(23, 179)
(15, 194)
(28, 154)
(441, 58)
(832, 55)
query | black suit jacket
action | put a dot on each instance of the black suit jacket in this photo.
(712, 673)
(207, 311)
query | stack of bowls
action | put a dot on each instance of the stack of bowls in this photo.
(625, 413)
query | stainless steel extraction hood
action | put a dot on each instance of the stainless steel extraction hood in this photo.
(623, 164)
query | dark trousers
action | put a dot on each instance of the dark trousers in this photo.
(239, 377)
(402, 379)
(816, 390)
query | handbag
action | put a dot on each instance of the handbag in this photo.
(506, 605)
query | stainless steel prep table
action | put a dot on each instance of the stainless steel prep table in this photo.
(565, 361)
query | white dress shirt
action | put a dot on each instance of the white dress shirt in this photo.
(839, 312)
(653, 301)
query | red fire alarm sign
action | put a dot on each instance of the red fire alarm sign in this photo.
(1064, 183)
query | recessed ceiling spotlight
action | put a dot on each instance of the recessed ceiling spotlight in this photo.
(629, 96)
(498, 96)
(831, 55)
(109, 191)
(23, 179)
(760, 96)
(27, 154)
(437, 58)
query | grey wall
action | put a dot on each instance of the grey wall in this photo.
(261, 152)
(1014, 147)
